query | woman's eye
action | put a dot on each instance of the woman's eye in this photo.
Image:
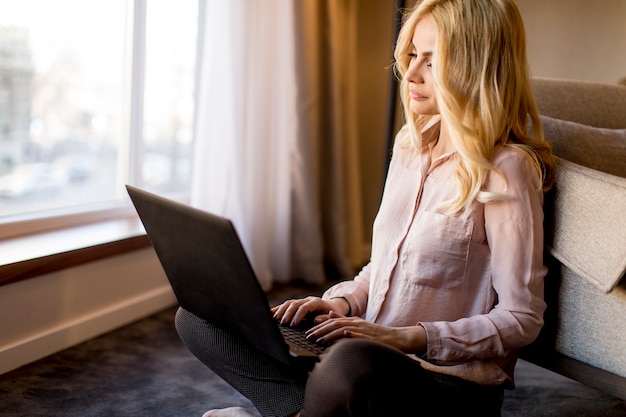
(412, 55)
(429, 64)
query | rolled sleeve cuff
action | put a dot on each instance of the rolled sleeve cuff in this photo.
(357, 308)
(434, 348)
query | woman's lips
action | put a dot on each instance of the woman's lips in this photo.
(414, 95)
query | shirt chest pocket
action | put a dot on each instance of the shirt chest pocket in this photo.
(435, 252)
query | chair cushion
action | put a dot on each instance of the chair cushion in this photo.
(586, 223)
(593, 147)
(587, 102)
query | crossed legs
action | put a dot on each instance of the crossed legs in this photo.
(355, 377)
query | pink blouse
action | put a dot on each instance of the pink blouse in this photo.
(473, 280)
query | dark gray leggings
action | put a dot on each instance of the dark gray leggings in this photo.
(355, 377)
(365, 378)
(275, 389)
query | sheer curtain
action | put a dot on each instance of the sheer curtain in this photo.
(275, 134)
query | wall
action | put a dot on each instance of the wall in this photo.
(43, 315)
(577, 39)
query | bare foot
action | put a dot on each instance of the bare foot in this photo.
(229, 412)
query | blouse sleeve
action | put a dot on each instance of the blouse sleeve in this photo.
(514, 231)
(354, 291)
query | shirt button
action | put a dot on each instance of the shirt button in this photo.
(434, 352)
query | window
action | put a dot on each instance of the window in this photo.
(94, 94)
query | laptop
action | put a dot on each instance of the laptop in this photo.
(212, 277)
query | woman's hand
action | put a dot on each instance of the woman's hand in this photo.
(292, 312)
(410, 339)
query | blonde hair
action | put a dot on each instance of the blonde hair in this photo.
(483, 90)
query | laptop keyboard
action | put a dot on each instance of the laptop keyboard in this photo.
(297, 337)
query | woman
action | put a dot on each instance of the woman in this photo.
(454, 286)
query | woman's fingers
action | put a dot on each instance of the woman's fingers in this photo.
(338, 326)
(285, 311)
(333, 328)
(293, 311)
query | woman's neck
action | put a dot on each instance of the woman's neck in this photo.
(444, 145)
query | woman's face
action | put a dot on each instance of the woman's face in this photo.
(419, 75)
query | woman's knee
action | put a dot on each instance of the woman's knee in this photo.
(273, 387)
(348, 377)
(347, 359)
(195, 333)
(359, 355)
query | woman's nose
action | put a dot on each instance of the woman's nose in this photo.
(413, 73)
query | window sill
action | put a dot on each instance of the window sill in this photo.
(29, 256)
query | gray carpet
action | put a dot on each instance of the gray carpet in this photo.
(144, 370)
